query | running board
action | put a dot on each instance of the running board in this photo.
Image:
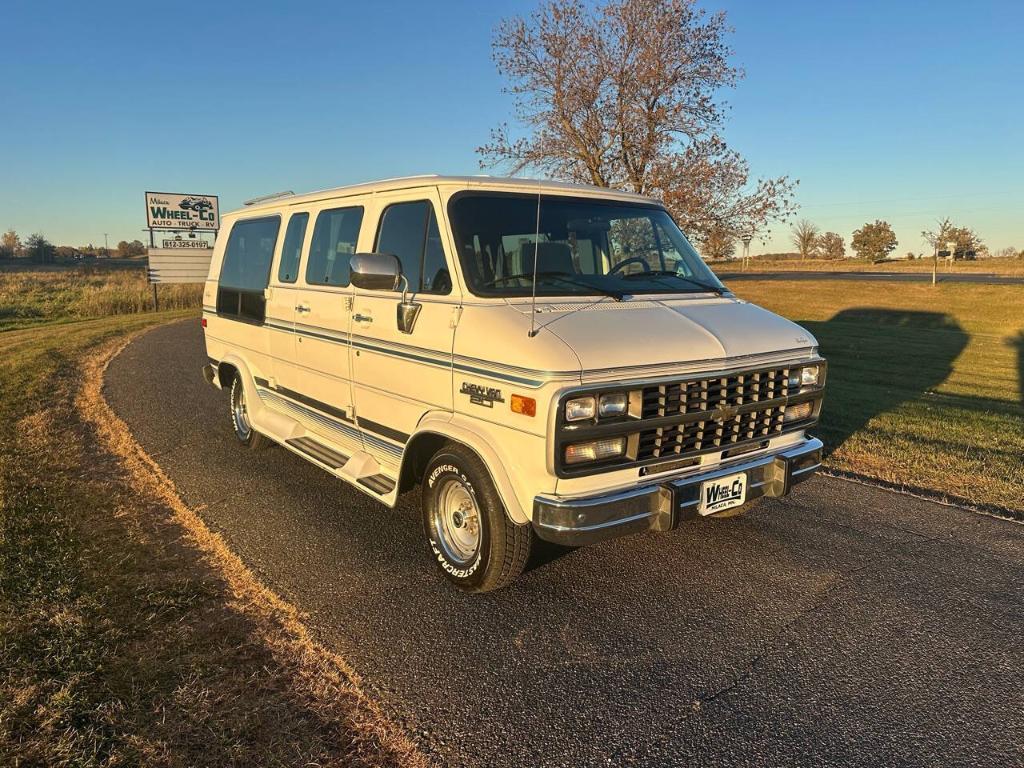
(379, 484)
(318, 451)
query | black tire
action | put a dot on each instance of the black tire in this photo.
(502, 548)
(239, 417)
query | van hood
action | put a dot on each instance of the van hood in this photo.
(646, 333)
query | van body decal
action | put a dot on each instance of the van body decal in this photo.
(481, 395)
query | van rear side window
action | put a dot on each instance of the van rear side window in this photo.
(288, 271)
(334, 241)
(245, 271)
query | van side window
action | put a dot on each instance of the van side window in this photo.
(294, 235)
(245, 271)
(334, 241)
(410, 232)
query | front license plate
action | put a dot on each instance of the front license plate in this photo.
(723, 493)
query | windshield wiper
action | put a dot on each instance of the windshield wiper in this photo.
(565, 277)
(668, 273)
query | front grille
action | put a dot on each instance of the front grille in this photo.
(718, 392)
(704, 396)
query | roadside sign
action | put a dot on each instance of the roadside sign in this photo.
(178, 265)
(167, 210)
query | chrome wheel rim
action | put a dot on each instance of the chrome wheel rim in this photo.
(457, 522)
(239, 411)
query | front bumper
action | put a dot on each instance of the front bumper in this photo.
(661, 506)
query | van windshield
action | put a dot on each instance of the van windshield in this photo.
(584, 246)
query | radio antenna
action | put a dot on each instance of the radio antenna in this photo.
(533, 293)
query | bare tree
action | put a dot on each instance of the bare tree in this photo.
(964, 239)
(805, 236)
(625, 95)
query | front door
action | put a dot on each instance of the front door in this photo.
(397, 376)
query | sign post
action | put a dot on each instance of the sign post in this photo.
(180, 260)
(746, 238)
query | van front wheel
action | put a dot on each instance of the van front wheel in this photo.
(471, 538)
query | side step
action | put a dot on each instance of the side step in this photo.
(379, 484)
(318, 451)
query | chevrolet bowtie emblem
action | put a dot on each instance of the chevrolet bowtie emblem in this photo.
(725, 414)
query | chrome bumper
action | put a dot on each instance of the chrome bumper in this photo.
(662, 506)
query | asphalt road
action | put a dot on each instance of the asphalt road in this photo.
(899, 277)
(842, 626)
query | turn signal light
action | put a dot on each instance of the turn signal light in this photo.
(797, 412)
(203, 321)
(526, 406)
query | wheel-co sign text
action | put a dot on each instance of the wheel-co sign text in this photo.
(165, 210)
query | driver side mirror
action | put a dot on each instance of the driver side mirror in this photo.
(383, 272)
(376, 271)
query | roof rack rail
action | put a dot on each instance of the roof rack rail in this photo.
(264, 198)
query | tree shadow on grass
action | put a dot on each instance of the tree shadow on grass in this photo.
(879, 359)
(1018, 342)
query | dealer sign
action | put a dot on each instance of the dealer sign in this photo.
(172, 211)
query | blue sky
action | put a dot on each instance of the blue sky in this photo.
(905, 111)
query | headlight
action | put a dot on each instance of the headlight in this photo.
(580, 408)
(595, 450)
(612, 405)
(808, 376)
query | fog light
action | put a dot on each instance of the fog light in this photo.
(595, 450)
(580, 408)
(798, 412)
(612, 405)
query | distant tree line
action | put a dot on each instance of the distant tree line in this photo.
(876, 240)
(36, 248)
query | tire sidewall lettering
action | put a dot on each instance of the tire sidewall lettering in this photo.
(455, 571)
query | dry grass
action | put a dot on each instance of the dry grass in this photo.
(28, 297)
(1010, 267)
(129, 635)
(926, 384)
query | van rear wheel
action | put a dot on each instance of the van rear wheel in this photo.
(471, 538)
(240, 417)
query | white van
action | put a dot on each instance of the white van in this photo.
(544, 359)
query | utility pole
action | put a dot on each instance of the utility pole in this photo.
(106, 246)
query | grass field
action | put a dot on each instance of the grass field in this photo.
(30, 297)
(926, 384)
(1011, 267)
(126, 637)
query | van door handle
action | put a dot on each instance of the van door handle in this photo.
(302, 307)
(362, 318)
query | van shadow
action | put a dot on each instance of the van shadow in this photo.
(879, 359)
